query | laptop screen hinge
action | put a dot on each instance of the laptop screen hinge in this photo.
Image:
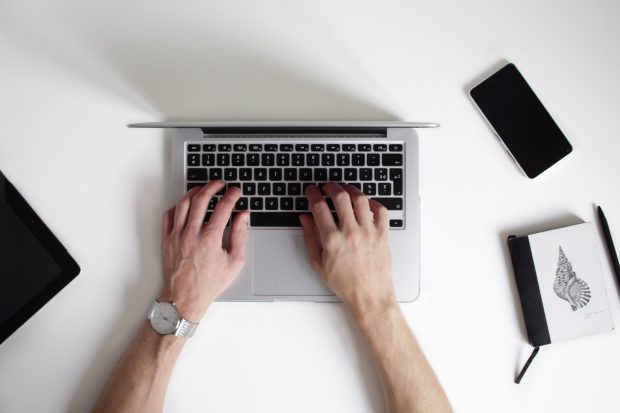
(294, 132)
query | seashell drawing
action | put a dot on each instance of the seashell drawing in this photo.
(568, 287)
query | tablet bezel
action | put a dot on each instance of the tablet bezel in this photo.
(69, 268)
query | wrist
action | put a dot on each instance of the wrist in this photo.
(366, 308)
(187, 308)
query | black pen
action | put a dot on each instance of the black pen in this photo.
(610, 243)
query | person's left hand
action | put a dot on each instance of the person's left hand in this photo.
(196, 266)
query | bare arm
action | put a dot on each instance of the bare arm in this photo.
(353, 258)
(196, 270)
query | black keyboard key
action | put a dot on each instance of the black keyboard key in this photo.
(290, 174)
(242, 204)
(343, 159)
(392, 159)
(208, 159)
(385, 188)
(372, 159)
(212, 203)
(223, 159)
(333, 147)
(215, 173)
(275, 174)
(356, 184)
(283, 159)
(312, 159)
(363, 147)
(234, 185)
(256, 147)
(271, 147)
(193, 148)
(370, 188)
(267, 159)
(238, 159)
(317, 147)
(260, 174)
(305, 174)
(245, 174)
(193, 159)
(208, 216)
(330, 204)
(379, 147)
(286, 204)
(381, 174)
(240, 147)
(391, 203)
(275, 219)
(286, 147)
(303, 189)
(302, 147)
(396, 223)
(396, 176)
(224, 147)
(358, 159)
(350, 174)
(256, 204)
(264, 188)
(327, 159)
(230, 174)
(279, 188)
(320, 174)
(196, 174)
(298, 159)
(191, 185)
(249, 188)
(348, 147)
(208, 147)
(365, 174)
(301, 204)
(396, 147)
(294, 189)
(271, 203)
(253, 159)
(335, 174)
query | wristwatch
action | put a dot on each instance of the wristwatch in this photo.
(166, 320)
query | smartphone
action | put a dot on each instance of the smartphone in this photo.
(520, 121)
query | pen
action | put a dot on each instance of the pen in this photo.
(610, 243)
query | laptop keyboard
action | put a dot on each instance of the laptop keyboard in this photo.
(273, 176)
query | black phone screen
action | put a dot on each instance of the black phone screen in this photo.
(520, 120)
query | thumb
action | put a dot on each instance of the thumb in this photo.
(238, 237)
(313, 245)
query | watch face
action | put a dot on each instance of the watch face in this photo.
(165, 318)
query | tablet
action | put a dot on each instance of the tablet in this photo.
(34, 266)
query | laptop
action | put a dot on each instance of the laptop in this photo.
(273, 162)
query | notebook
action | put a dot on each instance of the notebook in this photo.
(559, 276)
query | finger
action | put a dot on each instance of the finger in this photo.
(312, 241)
(200, 202)
(219, 219)
(361, 206)
(166, 223)
(380, 215)
(342, 203)
(238, 237)
(320, 211)
(181, 208)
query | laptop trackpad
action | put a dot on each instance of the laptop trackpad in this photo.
(281, 266)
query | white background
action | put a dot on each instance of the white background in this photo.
(74, 73)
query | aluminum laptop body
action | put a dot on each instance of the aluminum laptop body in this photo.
(277, 266)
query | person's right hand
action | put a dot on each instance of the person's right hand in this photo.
(353, 257)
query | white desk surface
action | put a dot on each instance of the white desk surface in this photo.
(74, 73)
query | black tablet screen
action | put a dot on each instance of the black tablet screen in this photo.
(26, 267)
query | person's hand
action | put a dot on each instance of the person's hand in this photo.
(352, 257)
(196, 266)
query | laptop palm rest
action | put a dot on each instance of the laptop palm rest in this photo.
(281, 266)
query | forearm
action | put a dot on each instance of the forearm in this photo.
(408, 381)
(140, 378)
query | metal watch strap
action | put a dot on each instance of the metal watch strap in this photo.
(185, 329)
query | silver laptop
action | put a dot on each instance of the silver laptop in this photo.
(273, 162)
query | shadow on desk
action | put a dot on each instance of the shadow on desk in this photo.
(202, 70)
